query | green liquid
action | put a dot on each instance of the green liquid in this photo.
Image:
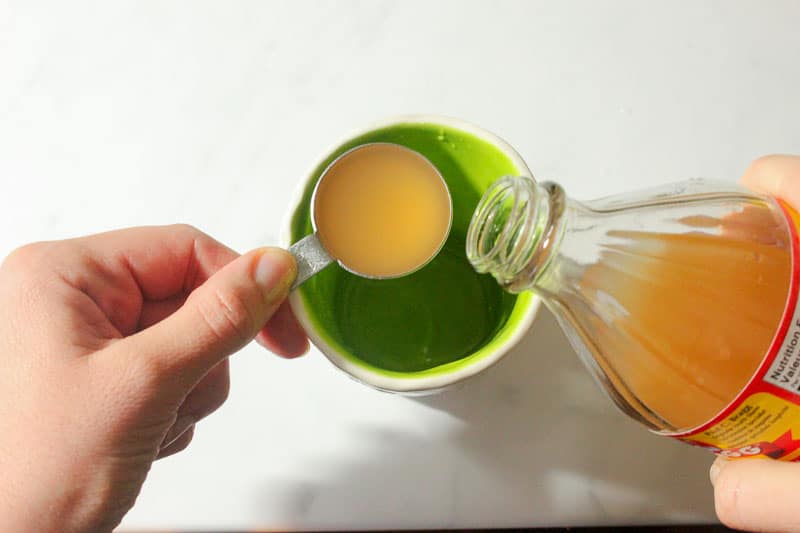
(442, 315)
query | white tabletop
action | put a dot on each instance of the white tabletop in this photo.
(125, 113)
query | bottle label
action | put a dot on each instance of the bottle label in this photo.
(764, 419)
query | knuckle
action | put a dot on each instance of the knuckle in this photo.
(218, 402)
(185, 229)
(226, 315)
(727, 488)
(182, 443)
(765, 161)
(208, 395)
(186, 438)
(218, 394)
(26, 257)
(767, 166)
(179, 445)
(760, 162)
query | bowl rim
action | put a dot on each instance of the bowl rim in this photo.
(362, 374)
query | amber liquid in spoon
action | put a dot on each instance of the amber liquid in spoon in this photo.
(382, 211)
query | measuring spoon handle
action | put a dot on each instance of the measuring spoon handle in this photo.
(311, 258)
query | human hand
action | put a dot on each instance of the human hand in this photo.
(113, 347)
(759, 494)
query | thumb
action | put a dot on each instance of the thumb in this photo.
(776, 175)
(217, 319)
(756, 494)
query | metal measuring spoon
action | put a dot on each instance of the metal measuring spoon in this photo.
(309, 252)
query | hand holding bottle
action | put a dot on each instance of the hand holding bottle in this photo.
(759, 494)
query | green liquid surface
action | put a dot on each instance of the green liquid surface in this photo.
(440, 317)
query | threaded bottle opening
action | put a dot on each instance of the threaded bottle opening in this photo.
(505, 228)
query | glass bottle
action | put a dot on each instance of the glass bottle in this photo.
(679, 300)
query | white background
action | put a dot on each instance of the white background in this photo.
(124, 113)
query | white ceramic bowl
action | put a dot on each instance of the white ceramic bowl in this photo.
(392, 382)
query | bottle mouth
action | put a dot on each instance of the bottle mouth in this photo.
(505, 228)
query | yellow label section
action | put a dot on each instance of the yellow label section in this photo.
(762, 425)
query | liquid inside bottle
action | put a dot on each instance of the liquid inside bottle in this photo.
(672, 297)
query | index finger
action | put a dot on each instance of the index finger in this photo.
(164, 261)
(167, 263)
(776, 175)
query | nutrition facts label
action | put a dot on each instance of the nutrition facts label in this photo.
(785, 369)
(763, 421)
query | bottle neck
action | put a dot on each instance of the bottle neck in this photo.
(516, 231)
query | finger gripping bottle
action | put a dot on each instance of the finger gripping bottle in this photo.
(681, 301)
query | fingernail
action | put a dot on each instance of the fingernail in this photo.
(180, 426)
(716, 468)
(275, 272)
